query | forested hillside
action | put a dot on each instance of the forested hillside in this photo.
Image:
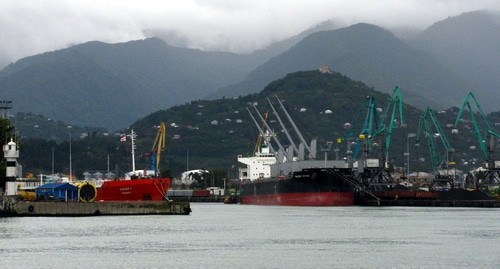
(112, 85)
(210, 134)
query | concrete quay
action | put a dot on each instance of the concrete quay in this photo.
(68, 209)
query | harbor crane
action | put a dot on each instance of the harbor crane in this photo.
(158, 147)
(442, 163)
(487, 140)
(395, 104)
(374, 171)
(371, 123)
(258, 144)
(282, 153)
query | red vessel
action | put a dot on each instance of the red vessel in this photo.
(302, 199)
(134, 190)
(138, 189)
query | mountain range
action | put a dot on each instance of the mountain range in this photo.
(113, 85)
(367, 53)
(210, 134)
(469, 45)
(435, 68)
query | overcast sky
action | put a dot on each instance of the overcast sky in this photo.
(29, 27)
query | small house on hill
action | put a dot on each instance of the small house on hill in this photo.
(57, 191)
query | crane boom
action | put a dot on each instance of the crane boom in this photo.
(374, 127)
(438, 161)
(482, 140)
(312, 153)
(395, 103)
(487, 143)
(371, 124)
(259, 137)
(283, 127)
(261, 131)
(158, 147)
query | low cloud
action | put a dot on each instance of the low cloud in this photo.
(32, 27)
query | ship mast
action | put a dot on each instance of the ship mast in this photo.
(273, 135)
(262, 133)
(132, 138)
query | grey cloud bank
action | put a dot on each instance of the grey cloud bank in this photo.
(32, 27)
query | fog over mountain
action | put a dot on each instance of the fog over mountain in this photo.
(113, 84)
(436, 67)
(33, 27)
(469, 45)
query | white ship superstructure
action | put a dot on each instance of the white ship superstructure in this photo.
(258, 166)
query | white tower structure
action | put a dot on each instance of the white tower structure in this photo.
(11, 153)
(258, 166)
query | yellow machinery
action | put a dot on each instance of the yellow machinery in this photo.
(259, 139)
(87, 192)
(26, 195)
(158, 147)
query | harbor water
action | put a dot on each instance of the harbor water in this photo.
(245, 236)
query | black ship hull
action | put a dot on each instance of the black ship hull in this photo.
(309, 187)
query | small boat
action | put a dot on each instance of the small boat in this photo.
(231, 199)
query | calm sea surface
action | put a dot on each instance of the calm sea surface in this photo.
(243, 236)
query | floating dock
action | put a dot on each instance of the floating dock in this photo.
(73, 209)
(431, 203)
(451, 198)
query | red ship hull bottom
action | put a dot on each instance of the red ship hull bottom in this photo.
(301, 199)
(133, 190)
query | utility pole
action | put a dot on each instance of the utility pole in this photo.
(70, 165)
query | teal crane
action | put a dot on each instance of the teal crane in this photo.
(395, 104)
(370, 125)
(375, 125)
(486, 141)
(380, 127)
(442, 163)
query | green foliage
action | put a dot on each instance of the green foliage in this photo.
(210, 135)
(375, 56)
(112, 85)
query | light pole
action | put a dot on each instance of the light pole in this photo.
(52, 161)
(187, 160)
(70, 168)
(407, 153)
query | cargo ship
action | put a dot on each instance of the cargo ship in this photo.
(292, 176)
(308, 187)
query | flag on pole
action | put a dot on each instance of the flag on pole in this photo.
(123, 138)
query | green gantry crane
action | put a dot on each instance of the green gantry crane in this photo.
(486, 138)
(442, 163)
(379, 127)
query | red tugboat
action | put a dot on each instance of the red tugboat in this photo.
(139, 185)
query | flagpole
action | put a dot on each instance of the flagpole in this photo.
(132, 137)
